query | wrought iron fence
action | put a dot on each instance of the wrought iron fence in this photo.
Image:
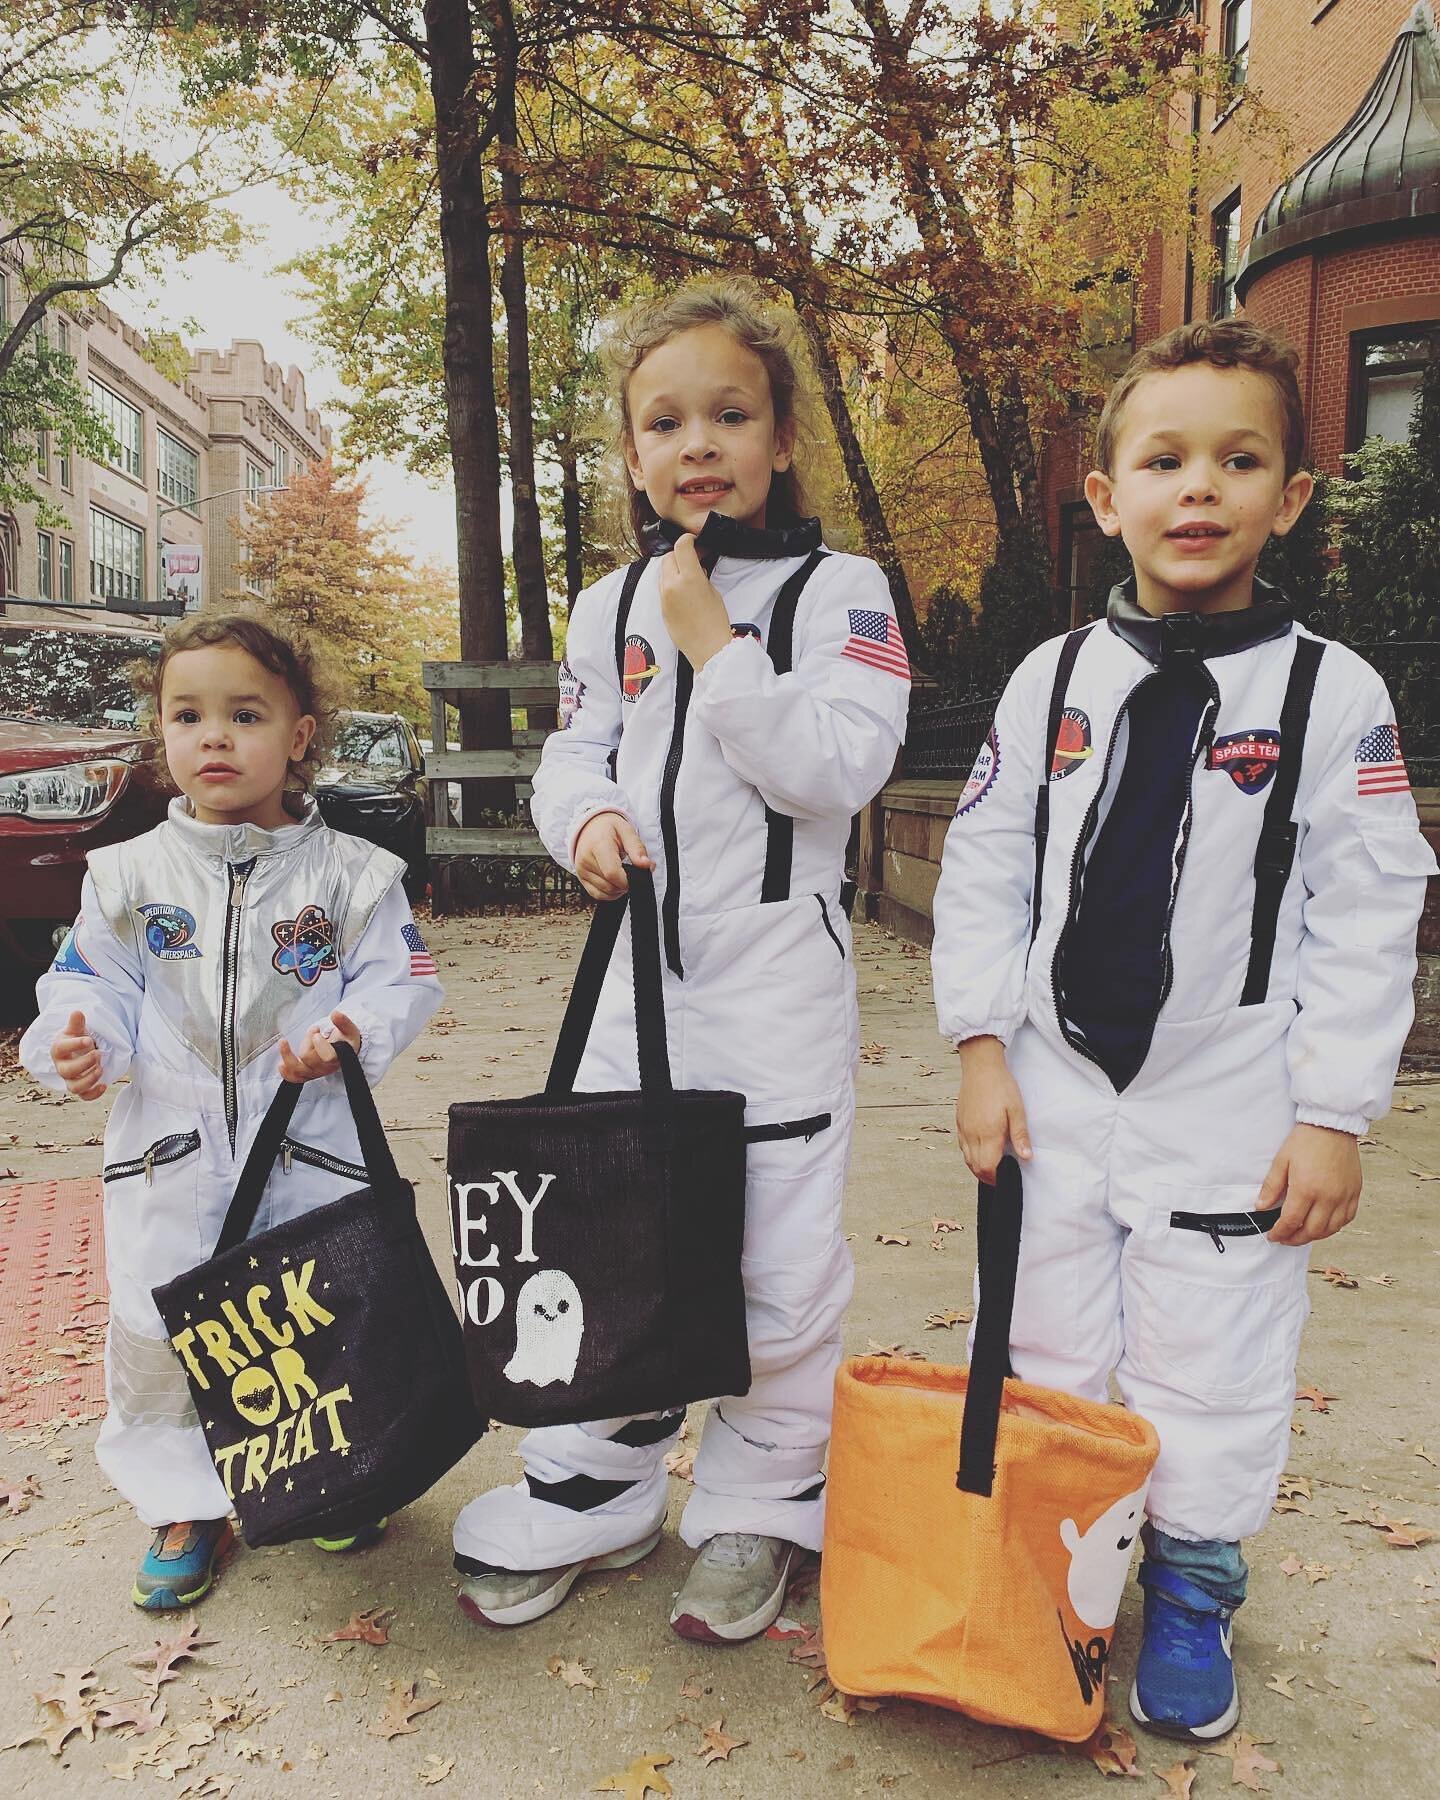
(948, 721)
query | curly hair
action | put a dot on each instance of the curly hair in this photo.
(275, 646)
(1224, 344)
(771, 332)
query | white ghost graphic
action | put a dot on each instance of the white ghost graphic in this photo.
(1100, 1560)
(549, 1323)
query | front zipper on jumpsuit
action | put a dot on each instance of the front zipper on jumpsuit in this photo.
(669, 832)
(1203, 739)
(229, 983)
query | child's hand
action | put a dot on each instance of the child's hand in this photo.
(77, 1059)
(695, 615)
(316, 1055)
(1317, 1175)
(989, 1113)
(602, 842)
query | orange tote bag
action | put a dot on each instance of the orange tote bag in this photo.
(979, 1529)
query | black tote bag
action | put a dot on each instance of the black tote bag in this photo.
(323, 1355)
(598, 1237)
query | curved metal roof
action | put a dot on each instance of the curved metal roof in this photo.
(1380, 170)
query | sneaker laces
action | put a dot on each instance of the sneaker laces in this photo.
(732, 1549)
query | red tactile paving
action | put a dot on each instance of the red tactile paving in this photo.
(53, 1301)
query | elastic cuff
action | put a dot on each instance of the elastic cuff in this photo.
(728, 657)
(1356, 1124)
(1004, 1029)
(582, 818)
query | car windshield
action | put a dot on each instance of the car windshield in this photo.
(72, 677)
(372, 742)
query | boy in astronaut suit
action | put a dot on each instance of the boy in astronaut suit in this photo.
(1185, 1031)
(205, 949)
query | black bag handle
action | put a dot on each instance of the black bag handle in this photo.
(653, 1053)
(998, 1222)
(374, 1150)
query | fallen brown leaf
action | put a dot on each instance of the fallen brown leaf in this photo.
(435, 1769)
(1247, 1765)
(1179, 1780)
(1112, 1750)
(639, 1779)
(1294, 1487)
(142, 1715)
(715, 1746)
(1281, 1684)
(159, 1667)
(693, 1688)
(891, 1237)
(947, 1319)
(401, 1711)
(942, 1225)
(1292, 1565)
(368, 1627)
(573, 1674)
(1318, 1400)
(15, 1497)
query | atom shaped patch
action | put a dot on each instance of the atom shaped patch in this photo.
(305, 946)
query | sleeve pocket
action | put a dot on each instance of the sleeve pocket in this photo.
(1394, 849)
(1397, 847)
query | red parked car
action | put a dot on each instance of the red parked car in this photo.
(77, 770)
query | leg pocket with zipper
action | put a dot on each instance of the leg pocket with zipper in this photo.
(1213, 1309)
(153, 1229)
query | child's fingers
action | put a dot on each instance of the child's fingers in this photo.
(1020, 1130)
(90, 1091)
(75, 1025)
(291, 1068)
(347, 1028)
(632, 847)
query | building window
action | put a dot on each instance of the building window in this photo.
(1235, 39)
(42, 453)
(254, 480)
(67, 570)
(280, 469)
(62, 336)
(63, 459)
(179, 470)
(44, 565)
(1388, 367)
(124, 421)
(117, 558)
(1225, 247)
(4, 299)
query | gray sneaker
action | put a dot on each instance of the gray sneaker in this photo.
(515, 1596)
(735, 1588)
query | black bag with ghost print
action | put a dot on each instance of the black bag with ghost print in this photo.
(598, 1237)
(323, 1355)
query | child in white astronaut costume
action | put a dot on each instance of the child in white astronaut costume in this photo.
(721, 729)
(1184, 1033)
(204, 950)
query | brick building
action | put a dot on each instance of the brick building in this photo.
(233, 424)
(1342, 254)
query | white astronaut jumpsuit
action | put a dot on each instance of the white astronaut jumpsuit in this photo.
(1138, 1253)
(759, 998)
(197, 948)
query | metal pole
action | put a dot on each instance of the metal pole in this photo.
(190, 506)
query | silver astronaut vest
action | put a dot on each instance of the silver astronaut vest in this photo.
(241, 932)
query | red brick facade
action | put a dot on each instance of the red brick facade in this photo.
(1311, 62)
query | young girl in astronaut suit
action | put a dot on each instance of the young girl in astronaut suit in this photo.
(683, 750)
(213, 956)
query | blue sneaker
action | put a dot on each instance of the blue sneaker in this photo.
(1185, 1680)
(180, 1565)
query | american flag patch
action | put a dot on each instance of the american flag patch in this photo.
(421, 961)
(1379, 765)
(875, 639)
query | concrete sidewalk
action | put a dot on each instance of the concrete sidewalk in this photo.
(1337, 1648)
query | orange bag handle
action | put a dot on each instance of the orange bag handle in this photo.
(998, 1217)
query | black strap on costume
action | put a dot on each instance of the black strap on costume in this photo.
(1069, 650)
(270, 1138)
(780, 646)
(622, 613)
(998, 1227)
(654, 1055)
(1275, 852)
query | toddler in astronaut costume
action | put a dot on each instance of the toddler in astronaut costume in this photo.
(1184, 1034)
(205, 949)
(686, 750)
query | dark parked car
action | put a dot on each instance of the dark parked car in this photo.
(374, 787)
(77, 770)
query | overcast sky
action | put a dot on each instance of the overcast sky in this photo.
(247, 299)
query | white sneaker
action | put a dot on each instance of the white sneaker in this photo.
(735, 1588)
(515, 1596)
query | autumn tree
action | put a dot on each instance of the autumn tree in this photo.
(311, 552)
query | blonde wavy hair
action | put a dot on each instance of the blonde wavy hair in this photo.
(771, 332)
(276, 646)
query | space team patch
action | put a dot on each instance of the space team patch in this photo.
(982, 776)
(1249, 758)
(572, 692)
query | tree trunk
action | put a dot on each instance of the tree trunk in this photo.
(470, 381)
(527, 545)
(570, 517)
(873, 523)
